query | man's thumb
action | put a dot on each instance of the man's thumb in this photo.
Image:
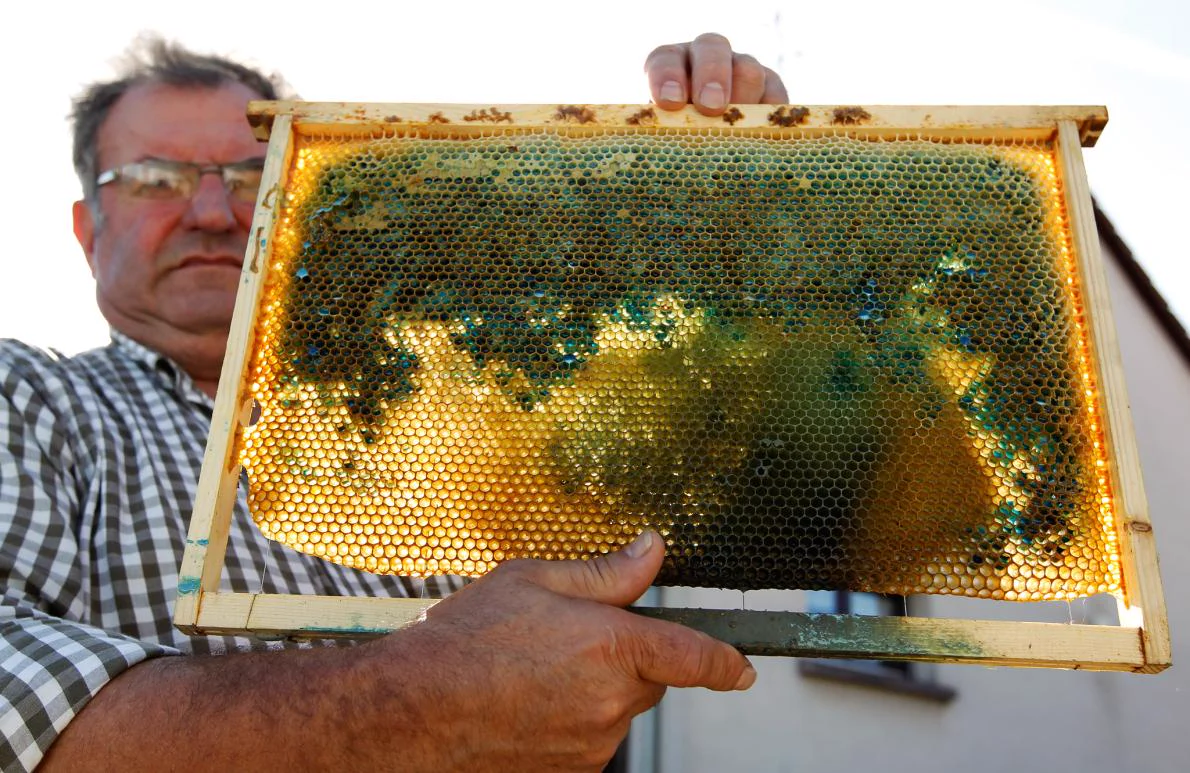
(617, 578)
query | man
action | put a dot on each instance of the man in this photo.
(534, 667)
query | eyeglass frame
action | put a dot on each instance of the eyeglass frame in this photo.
(125, 172)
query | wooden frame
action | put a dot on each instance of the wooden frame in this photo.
(1140, 643)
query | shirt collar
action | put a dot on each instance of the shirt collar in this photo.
(163, 368)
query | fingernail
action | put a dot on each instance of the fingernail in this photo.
(639, 546)
(672, 91)
(712, 96)
(747, 678)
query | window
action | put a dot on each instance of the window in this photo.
(619, 763)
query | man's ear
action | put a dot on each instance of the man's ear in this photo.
(84, 230)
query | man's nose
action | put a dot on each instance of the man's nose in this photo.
(210, 207)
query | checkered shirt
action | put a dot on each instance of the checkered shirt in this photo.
(99, 461)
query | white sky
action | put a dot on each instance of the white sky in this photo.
(1133, 57)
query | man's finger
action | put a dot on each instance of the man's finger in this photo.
(748, 80)
(671, 654)
(774, 89)
(668, 70)
(711, 73)
(616, 579)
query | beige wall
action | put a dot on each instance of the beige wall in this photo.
(1002, 719)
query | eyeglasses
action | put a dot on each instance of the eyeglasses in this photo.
(155, 178)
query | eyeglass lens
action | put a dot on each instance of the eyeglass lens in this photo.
(154, 179)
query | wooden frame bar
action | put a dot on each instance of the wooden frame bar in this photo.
(1140, 643)
(206, 542)
(942, 121)
(982, 642)
(1142, 604)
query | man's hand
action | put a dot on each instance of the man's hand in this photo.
(536, 666)
(709, 74)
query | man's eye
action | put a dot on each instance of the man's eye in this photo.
(243, 184)
(156, 182)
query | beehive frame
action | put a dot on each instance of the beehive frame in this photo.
(1141, 641)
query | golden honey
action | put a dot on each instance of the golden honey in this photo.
(808, 361)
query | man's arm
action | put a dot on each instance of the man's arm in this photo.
(533, 667)
(51, 659)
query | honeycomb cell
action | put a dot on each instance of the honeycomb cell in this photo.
(809, 362)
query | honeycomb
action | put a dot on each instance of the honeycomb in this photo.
(813, 361)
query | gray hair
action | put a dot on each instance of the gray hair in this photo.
(153, 60)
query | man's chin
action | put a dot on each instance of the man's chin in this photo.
(200, 287)
(203, 311)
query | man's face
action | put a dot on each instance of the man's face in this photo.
(168, 269)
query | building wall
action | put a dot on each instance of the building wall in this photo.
(1001, 719)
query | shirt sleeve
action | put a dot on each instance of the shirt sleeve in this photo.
(51, 661)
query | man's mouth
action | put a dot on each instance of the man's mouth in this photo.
(211, 261)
